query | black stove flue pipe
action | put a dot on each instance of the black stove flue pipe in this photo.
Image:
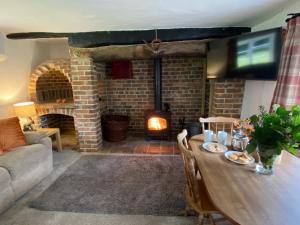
(158, 83)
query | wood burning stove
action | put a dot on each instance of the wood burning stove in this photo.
(158, 121)
(158, 125)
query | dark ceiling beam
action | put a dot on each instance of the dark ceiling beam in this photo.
(103, 38)
(37, 35)
(130, 37)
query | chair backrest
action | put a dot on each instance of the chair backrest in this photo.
(190, 167)
(214, 123)
(182, 141)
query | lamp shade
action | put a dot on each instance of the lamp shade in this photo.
(25, 109)
(2, 48)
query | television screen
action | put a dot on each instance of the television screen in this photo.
(253, 56)
(255, 50)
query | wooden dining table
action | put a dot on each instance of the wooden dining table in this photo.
(247, 198)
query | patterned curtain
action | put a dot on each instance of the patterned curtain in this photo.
(287, 91)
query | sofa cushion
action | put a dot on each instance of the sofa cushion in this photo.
(24, 159)
(7, 195)
(11, 135)
(4, 177)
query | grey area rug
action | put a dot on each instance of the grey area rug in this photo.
(148, 185)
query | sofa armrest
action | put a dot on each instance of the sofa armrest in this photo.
(47, 142)
(33, 137)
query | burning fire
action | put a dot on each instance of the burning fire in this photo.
(157, 123)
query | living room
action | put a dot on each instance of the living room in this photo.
(97, 110)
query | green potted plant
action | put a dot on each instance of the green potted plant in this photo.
(273, 132)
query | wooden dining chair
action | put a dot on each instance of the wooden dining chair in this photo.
(214, 123)
(196, 194)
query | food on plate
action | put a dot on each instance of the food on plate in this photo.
(233, 157)
(214, 147)
(240, 157)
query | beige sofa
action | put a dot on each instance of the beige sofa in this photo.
(23, 168)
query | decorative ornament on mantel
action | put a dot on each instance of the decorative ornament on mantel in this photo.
(154, 45)
(2, 48)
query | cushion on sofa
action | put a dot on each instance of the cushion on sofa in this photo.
(4, 177)
(11, 135)
(23, 159)
(34, 137)
(7, 195)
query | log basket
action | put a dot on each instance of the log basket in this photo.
(115, 127)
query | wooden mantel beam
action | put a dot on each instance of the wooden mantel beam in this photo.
(140, 51)
(132, 37)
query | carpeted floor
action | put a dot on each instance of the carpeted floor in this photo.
(118, 184)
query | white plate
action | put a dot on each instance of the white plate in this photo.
(222, 147)
(229, 153)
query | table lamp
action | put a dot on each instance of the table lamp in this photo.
(25, 110)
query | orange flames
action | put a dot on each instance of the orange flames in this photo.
(157, 123)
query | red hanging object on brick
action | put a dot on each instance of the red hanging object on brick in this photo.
(122, 69)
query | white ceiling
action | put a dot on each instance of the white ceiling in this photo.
(91, 15)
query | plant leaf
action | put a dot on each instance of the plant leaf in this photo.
(296, 110)
(281, 111)
(293, 151)
(296, 120)
(251, 146)
(254, 119)
(296, 133)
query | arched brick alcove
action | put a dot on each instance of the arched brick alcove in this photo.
(82, 77)
(51, 80)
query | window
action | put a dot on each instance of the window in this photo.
(254, 51)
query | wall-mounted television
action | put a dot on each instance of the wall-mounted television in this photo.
(251, 56)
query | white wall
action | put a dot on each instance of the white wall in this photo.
(22, 57)
(278, 19)
(261, 92)
(13, 73)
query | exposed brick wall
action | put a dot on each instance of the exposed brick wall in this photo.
(181, 88)
(227, 97)
(87, 106)
(53, 85)
(63, 122)
(182, 83)
(132, 96)
(100, 68)
(67, 124)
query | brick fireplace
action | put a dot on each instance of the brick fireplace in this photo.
(83, 87)
(183, 82)
(89, 91)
